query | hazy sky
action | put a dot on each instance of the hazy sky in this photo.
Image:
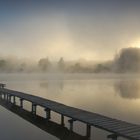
(74, 29)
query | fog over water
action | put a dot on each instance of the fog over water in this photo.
(113, 95)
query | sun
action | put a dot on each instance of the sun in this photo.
(136, 43)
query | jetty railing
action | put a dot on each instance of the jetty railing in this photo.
(117, 128)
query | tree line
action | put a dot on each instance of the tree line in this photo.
(127, 60)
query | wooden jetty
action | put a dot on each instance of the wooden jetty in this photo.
(117, 128)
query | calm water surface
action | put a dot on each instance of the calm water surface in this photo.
(116, 96)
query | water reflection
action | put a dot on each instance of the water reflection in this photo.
(53, 86)
(50, 127)
(129, 89)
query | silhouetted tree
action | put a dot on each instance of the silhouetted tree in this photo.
(76, 67)
(44, 64)
(128, 60)
(61, 64)
(102, 68)
(22, 67)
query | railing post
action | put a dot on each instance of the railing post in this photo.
(48, 113)
(33, 108)
(88, 134)
(21, 102)
(62, 120)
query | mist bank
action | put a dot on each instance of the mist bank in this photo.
(127, 60)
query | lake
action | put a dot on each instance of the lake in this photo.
(113, 95)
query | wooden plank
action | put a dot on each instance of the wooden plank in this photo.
(129, 130)
(116, 127)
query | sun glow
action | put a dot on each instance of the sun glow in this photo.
(136, 43)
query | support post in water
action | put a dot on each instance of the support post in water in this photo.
(0, 95)
(4, 96)
(21, 102)
(88, 131)
(48, 113)
(112, 136)
(62, 120)
(71, 124)
(7, 97)
(33, 108)
(14, 100)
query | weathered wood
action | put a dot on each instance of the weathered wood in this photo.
(116, 127)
